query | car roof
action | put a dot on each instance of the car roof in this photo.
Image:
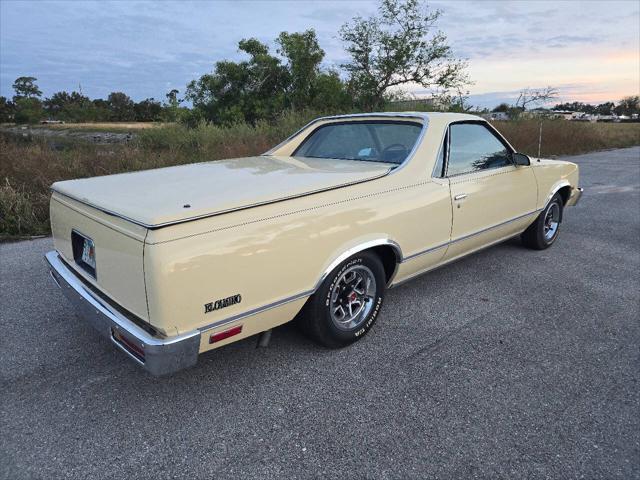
(448, 116)
(441, 118)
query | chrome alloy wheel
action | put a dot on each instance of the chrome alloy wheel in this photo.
(352, 297)
(551, 221)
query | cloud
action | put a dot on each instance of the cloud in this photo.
(142, 47)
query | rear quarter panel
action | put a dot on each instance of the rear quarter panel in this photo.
(281, 250)
(271, 253)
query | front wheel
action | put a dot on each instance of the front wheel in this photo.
(543, 232)
(346, 305)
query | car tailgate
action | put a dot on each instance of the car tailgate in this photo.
(119, 250)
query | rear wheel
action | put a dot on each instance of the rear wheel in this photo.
(346, 305)
(543, 232)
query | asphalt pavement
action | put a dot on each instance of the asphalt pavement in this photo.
(511, 363)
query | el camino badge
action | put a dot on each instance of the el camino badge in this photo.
(222, 303)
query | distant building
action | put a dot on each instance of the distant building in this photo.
(496, 116)
(564, 114)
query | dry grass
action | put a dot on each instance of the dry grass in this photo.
(29, 166)
(561, 137)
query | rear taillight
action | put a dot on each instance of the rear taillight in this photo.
(129, 345)
(216, 337)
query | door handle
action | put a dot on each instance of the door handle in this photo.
(460, 197)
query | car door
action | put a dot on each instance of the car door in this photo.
(491, 197)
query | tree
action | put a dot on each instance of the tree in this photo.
(28, 110)
(121, 107)
(148, 110)
(529, 96)
(172, 106)
(240, 91)
(604, 108)
(457, 101)
(73, 107)
(303, 56)
(628, 106)
(7, 110)
(26, 87)
(503, 107)
(396, 47)
(330, 93)
(574, 107)
(172, 98)
(101, 109)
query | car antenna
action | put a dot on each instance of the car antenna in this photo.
(540, 141)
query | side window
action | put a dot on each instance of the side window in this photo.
(473, 147)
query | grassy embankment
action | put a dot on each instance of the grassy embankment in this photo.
(29, 166)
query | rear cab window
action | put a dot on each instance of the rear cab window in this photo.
(371, 140)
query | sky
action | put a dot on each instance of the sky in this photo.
(589, 50)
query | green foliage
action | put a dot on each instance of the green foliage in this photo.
(240, 91)
(628, 106)
(330, 93)
(7, 110)
(102, 110)
(303, 55)
(148, 110)
(602, 109)
(26, 87)
(172, 112)
(396, 47)
(70, 107)
(263, 87)
(28, 110)
(121, 107)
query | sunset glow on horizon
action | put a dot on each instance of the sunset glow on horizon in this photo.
(589, 50)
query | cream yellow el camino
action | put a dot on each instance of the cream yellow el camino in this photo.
(173, 262)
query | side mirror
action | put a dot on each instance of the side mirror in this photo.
(521, 159)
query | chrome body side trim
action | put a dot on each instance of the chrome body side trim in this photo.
(255, 311)
(555, 190)
(161, 355)
(337, 261)
(424, 252)
(465, 237)
(341, 258)
(359, 248)
(448, 262)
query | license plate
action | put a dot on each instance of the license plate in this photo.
(89, 253)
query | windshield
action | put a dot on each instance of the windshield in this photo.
(372, 141)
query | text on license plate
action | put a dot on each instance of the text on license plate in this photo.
(89, 253)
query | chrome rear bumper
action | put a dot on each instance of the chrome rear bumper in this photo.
(159, 356)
